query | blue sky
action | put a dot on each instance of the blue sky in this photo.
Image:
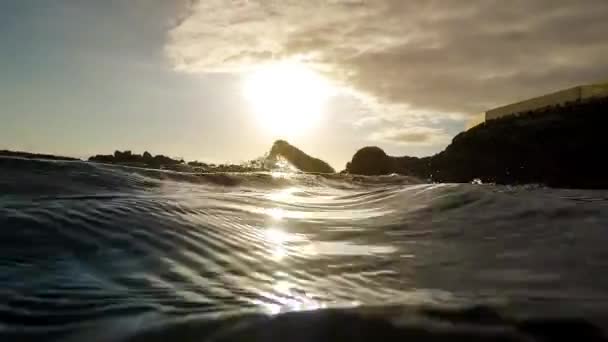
(85, 77)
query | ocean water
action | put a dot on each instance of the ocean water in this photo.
(110, 253)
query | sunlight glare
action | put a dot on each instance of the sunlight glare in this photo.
(276, 213)
(288, 97)
(276, 236)
(284, 195)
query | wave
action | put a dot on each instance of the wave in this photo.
(387, 323)
(83, 244)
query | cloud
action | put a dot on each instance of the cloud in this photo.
(441, 57)
(421, 136)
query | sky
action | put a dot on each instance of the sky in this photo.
(84, 77)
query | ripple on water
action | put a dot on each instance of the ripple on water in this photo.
(121, 243)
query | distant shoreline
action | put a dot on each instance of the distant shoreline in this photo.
(32, 155)
(280, 149)
(562, 146)
(145, 161)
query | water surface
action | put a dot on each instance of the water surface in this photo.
(84, 246)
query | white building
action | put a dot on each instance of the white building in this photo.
(576, 94)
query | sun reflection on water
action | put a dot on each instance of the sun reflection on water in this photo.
(281, 246)
(284, 195)
(276, 213)
(276, 236)
(278, 253)
(286, 297)
(278, 240)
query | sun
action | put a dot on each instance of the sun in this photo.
(288, 98)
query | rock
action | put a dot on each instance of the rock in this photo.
(299, 159)
(559, 147)
(371, 160)
(128, 158)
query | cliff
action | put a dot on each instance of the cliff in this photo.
(299, 159)
(562, 146)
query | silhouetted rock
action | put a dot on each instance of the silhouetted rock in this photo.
(198, 164)
(299, 159)
(102, 158)
(371, 160)
(558, 146)
(128, 158)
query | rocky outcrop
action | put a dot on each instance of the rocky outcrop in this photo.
(147, 160)
(299, 159)
(128, 158)
(560, 146)
(371, 160)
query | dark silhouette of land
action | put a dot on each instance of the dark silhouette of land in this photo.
(128, 158)
(160, 161)
(280, 148)
(561, 146)
(28, 155)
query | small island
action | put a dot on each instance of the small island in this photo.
(298, 159)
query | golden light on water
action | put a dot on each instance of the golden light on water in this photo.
(276, 213)
(284, 195)
(279, 240)
(287, 97)
(285, 243)
(276, 236)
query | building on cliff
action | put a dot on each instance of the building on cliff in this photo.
(560, 98)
